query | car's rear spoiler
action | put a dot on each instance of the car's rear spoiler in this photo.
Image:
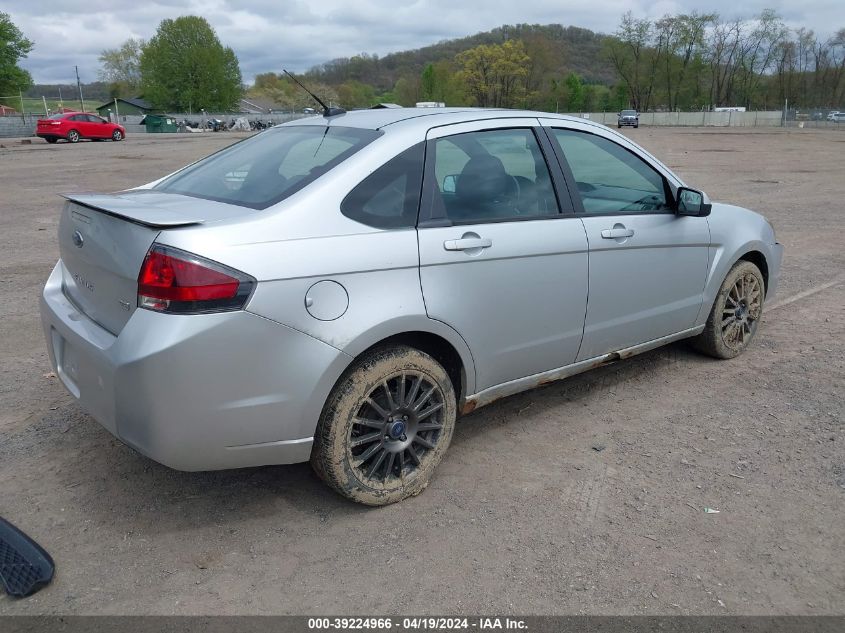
(156, 210)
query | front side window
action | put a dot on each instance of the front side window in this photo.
(488, 176)
(270, 166)
(389, 197)
(611, 179)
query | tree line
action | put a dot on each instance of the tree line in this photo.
(13, 47)
(700, 61)
(687, 61)
(182, 68)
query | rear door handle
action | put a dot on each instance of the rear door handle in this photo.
(612, 234)
(467, 243)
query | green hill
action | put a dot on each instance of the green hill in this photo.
(555, 49)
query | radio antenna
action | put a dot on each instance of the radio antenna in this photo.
(327, 111)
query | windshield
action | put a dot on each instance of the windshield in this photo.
(629, 113)
(270, 166)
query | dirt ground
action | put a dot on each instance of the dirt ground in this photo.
(524, 515)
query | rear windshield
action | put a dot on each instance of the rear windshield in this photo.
(270, 166)
(60, 115)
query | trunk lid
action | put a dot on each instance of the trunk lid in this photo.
(103, 239)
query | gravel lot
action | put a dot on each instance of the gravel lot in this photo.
(524, 515)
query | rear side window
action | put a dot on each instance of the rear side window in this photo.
(489, 176)
(270, 166)
(389, 197)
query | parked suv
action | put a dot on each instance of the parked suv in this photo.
(628, 117)
(837, 117)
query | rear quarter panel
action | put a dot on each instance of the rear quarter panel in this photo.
(305, 239)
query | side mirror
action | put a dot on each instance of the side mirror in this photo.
(450, 183)
(692, 202)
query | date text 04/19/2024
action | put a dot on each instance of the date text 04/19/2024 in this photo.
(417, 623)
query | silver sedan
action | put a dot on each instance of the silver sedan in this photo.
(340, 289)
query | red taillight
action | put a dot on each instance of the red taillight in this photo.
(176, 281)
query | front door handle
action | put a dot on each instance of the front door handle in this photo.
(467, 243)
(616, 233)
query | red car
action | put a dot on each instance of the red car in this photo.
(73, 126)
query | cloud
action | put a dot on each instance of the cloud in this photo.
(267, 35)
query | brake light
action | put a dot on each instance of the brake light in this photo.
(172, 280)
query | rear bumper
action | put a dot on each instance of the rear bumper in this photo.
(194, 392)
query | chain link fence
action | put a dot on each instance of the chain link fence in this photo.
(763, 118)
(23, 125)
(815, 118)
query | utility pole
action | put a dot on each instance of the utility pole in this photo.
(79, 85)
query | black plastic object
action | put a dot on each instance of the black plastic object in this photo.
(24, 565)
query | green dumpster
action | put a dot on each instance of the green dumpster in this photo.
(158, 123)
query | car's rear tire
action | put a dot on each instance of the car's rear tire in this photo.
(117, 135)
(73, 136)
(736, 313)
(51, 139)
(385, 426)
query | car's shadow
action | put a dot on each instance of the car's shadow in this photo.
(116, 485)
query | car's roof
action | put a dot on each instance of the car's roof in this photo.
(422, 117)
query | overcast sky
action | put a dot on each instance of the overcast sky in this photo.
(269, 34)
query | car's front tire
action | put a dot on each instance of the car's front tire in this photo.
(117, 135)
(385, 426)
(736, 313)
(73, 136)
